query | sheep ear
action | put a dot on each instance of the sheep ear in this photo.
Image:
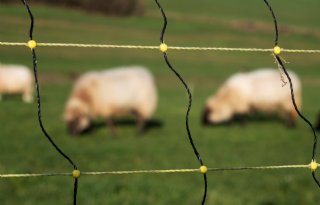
(73, 76)
(227, 95)
(84, 96)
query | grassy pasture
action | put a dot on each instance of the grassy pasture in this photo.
(165, 145)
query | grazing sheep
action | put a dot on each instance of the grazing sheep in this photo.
(111, 93)
(256, 91)
(16, 79)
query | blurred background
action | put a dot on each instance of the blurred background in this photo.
(229, 23)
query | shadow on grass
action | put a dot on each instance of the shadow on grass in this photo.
(120, 123)
(253, 119)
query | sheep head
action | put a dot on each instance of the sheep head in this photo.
(77, 116)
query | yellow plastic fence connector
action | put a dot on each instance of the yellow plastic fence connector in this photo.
(76, 173)
(277, 50)
(32, 44)
(163, 47)
(203, 169)
(313, 165)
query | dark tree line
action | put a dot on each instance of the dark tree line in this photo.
(108, 7)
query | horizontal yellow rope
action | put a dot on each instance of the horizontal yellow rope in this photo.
(157, 47)
(12, 44)
(261, 167)
(299, 51)
(25, 175)
(141, 172)
(80, 45)
(96, 45)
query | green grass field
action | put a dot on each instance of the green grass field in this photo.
(23, 148)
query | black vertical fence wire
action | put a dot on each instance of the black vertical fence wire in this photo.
(276, 38)
(165, 22)
(279, 61)
(35, 70)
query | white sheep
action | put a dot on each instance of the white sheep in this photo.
(16, 79)
(256, 91)
(111, 93)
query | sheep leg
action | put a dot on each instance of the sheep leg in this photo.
(27, 98)
(140, 124)
(111, 126)
(292, 118)
(240, 118)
